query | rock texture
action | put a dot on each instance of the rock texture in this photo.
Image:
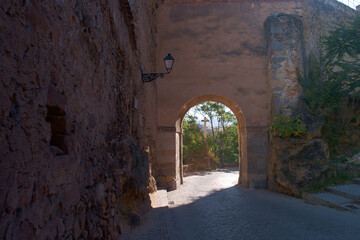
(321, 16)
(295, 164)
(355, 159)
(286, 53)
(73, 126)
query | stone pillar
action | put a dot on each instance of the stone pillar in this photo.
(179, 135)
(167, 167)
(286, 53)
(257, 151)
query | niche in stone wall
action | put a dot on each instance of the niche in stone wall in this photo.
(56, 116)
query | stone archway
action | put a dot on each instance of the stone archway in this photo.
(229, 64)
(241, 131)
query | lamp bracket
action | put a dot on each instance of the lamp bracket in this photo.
(148, 77)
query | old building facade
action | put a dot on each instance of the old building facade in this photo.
(81, 134)
(244, 54)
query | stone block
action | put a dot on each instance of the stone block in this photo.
(275, 45)
(278, 89)
(165, 172)
(276, 29)
(257, 181)
(277, 60)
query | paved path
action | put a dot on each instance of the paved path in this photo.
(212, 207)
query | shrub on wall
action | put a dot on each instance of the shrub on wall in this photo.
(284, 126)
(331, 86)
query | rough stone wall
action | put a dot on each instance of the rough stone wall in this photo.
(286, 55)
(294, 163)
(291, 39)
(73, 123)
(320, 16)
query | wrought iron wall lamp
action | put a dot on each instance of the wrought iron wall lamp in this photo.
(169, 62)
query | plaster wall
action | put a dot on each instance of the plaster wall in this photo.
(219, 48)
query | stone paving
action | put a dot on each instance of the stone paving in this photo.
(211, 206)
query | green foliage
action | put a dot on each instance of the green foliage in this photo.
(344, 39)
(323, 96)
(222, 140)
(231, 143)
(339, 176)
(193, 141)
(331, 82)
(226, 144)
(284, 126)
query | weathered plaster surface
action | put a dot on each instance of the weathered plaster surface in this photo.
(220, 49)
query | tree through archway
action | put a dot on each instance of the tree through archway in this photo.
(210, 137)
(242, 150)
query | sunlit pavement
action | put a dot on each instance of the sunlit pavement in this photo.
(211, 206)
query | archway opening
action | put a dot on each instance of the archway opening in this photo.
(241, 133)
(210, 138)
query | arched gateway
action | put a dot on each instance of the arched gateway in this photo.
(242, 53)
(169, 169)
(241, 130)
(220, 55)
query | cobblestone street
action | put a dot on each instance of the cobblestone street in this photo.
(211, 206)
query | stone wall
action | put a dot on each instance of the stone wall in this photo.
(294, 163)
(74, 116)
(319, 17)
(220, 51)
(286, 56)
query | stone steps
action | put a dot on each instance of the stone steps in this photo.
(330, 200)
(159, 199)
(356, 180)
(351, 191)
(343, 197)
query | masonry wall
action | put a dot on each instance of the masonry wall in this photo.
(321, 16)
(74, 117)
(248, 51)
(292, 39)
(219, 49)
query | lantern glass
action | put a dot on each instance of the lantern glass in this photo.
(169, 62)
